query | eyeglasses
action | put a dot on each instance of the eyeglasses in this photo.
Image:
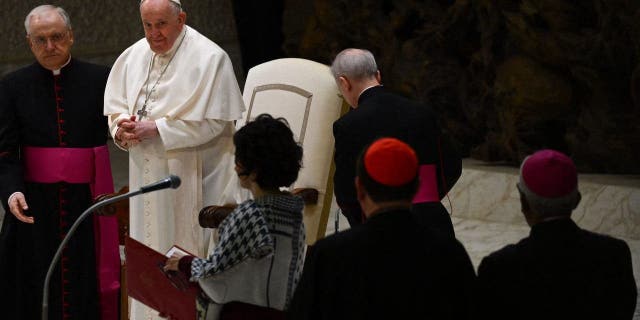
(41, 41)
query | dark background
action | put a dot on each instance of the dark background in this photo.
(505, 77)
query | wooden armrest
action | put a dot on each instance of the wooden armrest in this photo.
(120, 209)
(211, 216)
(309, 195)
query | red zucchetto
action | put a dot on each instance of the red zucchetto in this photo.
(549, 174)
(391, 162)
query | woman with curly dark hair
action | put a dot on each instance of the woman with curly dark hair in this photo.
(265, 148)
(258, 259)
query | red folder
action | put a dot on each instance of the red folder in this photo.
(170, 293)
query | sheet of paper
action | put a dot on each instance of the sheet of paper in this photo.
(177, 250)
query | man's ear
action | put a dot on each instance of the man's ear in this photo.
(378, 76)
(71, 36)
(531, 217)
(524, 203)
(344, 83)
(29, 43)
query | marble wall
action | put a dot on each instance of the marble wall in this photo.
(610, 204)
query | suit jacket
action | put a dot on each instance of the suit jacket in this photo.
(383, 114)
(559, 272)
(387, 268)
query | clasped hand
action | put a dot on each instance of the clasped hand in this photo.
(131, 132)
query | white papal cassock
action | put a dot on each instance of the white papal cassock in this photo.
(193, 105)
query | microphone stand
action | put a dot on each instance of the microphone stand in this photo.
(175, 182)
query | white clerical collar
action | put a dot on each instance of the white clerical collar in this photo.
(57, 71)
(176, 44)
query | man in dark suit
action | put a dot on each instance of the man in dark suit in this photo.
(560, 271)
(389, 267)
(377, 113)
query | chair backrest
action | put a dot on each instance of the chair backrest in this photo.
(305, 93)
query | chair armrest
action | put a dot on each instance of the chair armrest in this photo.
(120, 209)
(212, 216)
(309, 195)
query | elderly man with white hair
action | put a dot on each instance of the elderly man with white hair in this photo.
(560, 271)
(171, 100)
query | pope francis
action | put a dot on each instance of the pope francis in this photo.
(171, 100)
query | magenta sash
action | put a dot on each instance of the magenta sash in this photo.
(428, 185)
(92, 166)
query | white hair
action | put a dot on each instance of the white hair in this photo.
(544, 205)
(353, 63)
(175, 5)
(37, 11)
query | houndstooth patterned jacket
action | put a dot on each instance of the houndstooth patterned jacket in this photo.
(259, 256)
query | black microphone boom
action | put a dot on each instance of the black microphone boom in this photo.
(168, 182)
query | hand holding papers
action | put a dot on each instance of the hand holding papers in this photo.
(177, 252)
(174, 254)
(170, 293)
(170, 267)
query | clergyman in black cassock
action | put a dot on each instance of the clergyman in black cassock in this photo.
(53, 106)
(559, 271)
(378, 113)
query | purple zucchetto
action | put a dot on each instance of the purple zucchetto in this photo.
(549, 174)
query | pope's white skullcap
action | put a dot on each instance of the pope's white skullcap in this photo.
(174, 1)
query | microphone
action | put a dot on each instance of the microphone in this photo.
(171, 181)
(168, 182)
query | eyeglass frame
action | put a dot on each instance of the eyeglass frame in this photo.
(42, 41)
